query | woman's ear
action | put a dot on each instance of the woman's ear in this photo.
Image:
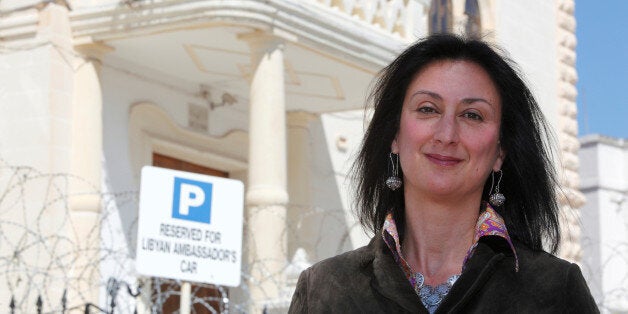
(501, 155)
(394, 147)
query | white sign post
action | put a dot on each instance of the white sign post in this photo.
(190, 227)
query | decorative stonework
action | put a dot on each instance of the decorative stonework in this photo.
(343, 33)
(567, 133)
(396, 17)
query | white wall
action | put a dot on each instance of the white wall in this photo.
(526, 30)
(36, 111)
(604, 174)
(343, 132)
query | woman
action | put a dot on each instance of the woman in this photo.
(454, 126)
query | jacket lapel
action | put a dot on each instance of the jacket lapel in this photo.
(390, 281)
(478, 270)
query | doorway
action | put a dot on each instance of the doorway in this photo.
(206, 298)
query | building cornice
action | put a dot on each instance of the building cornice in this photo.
(19, 24)
(309, 23)
(594, 139)
(303, 22)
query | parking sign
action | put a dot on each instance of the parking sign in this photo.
(190, 227)
(192, 200)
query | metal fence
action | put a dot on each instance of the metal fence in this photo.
(113, 288)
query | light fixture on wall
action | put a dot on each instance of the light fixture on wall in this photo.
(225, 100)
(342, 144)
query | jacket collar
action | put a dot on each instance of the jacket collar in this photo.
(390, 281)
(489, 224)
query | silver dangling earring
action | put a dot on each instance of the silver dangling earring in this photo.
(394, 182)
(496, 199)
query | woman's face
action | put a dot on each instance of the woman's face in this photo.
(449, 130)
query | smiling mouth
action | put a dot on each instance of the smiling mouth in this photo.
(443, 160)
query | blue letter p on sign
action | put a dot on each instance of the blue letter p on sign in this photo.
(192, 200)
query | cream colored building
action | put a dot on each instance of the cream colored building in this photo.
(604, 240)
(268, 92)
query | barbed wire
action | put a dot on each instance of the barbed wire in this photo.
(51, 258)
(606, 264)
(47, 254)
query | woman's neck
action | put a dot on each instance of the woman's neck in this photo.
(437, 236)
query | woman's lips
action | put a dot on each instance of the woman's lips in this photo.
(443, 160)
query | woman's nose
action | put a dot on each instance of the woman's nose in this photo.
(446, 130)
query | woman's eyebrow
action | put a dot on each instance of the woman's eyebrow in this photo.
(425, 92)
(434, 95)
(472, 100)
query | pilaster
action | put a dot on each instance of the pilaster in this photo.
(36, 75)
(570, 199)
(299, 175)
(86, 153)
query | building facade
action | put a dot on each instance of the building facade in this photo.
(268, 92)
(604, 182)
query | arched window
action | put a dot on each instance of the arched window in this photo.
(473, 26)
(440, 16)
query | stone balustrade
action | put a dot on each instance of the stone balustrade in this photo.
(401, 18)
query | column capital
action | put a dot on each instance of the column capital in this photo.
(273, 35)
(261, 42)
(42, 5)
(93, 50)
(54, 25)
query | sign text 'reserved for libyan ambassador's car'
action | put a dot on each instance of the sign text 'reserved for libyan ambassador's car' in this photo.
(190, 227)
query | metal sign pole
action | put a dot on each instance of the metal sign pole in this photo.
(186, 297)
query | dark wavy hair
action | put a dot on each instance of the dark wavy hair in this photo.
(529, 179)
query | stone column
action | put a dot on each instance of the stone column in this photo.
(266, 195)
(84, 193)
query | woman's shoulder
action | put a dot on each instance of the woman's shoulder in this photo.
(558, 277)
(346, 263)
(337, 284)
(543, 283)
(540, 261)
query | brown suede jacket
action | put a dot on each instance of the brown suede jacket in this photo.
(368, 280)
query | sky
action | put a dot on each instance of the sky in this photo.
(602, 65)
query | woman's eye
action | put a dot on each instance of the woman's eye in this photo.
(426, 110)
(472, 116)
